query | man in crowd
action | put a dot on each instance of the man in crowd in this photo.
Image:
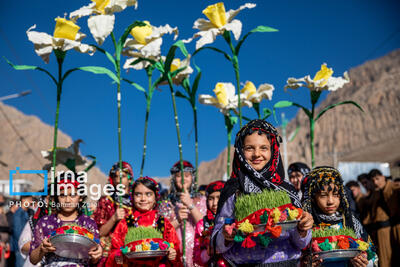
(296, 172)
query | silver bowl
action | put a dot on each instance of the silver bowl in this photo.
(285, 226)
(146, 254)
(72, 245)
(338, 254)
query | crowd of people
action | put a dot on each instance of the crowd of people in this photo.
(204, 217)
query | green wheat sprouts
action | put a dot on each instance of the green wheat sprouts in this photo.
(139, 233)
(247, 204)
(333, 232)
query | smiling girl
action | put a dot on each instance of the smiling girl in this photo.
(145, 213)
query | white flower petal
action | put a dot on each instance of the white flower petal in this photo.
(208, 100)
(119, 5)
(235, 27)
(83, 11)
(264, 91)
(335, 83)
(101, 26)
(184, 73)
(203, 25)
(152, 49)
(207, 37)
(139, 66)
(231, 14)
(158, 32)
(43, 43)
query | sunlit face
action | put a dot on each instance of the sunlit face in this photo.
(124, 180)
(68, 199)
(295, 178)
(328, 201)
(144, 198)
(187, 180)
(212, 201)
(257, 150)
(379, 181)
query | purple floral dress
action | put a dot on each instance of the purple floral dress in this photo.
(48, 224)
(285, 248)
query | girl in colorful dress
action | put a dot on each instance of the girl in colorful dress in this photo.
(145, 213)
(188, 205)
(257, 166)
(202, 251)
(110, 210)
(69, 207)
(325, 198)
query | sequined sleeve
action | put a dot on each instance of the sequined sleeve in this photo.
(118, 236)
(200, 255)
(40, 232)
(166, 209)
(103, 212)
(88, 223)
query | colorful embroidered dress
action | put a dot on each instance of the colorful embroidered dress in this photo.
(149, 218)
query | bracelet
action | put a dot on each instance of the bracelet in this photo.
(192, 206)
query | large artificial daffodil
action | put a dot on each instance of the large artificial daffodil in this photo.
(101, 22)
(66, 36)
(64, 154)
(256, 95)
(219, 22)
(225, 98)
(146, 43)
(322, 80)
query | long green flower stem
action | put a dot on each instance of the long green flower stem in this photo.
(235, 63)
(60, 55)
(229, 135)
(180, 160)
(312, 124)
(118, 72)
(148, 103)
(196, 144)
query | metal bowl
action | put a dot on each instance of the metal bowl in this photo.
(72, 245)
(146, 254)
(285, 226)
(338, 254)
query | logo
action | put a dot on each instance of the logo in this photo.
(16, 171)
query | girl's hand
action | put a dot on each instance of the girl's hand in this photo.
(305, 224)
(183, 214)
(119, 214)
(360, 260)
(95, 253)
(46, 246)
(171, 254)
(186, 199)
(228, 237)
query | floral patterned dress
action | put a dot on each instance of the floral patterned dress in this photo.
(48, 224)
(169, 211)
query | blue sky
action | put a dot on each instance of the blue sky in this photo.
(342, 33)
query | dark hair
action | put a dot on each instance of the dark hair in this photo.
(362, 176)
(397, 179)
(374, 172)
(147, 183)
(64, 177)
(352, 183)
(202, 187)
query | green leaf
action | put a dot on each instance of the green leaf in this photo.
(315, 96)
(137, 86)
(122, 40)
(28, 67)
(91, 164)
(151, 61)
(180, 94)
(108, 55)
(100, 70)
(175, 72)
(196, 81)
(258, 29)
(293, 135)
(338, 104)
(212, 48)
(285, 104)
(171, 54)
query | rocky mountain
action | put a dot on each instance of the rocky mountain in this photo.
(345, 133)
(22, 139)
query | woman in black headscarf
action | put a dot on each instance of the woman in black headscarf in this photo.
(257, 166)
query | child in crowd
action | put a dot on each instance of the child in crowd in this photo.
(111, 209)
(205, 226)
(69, 211)
(257, 166)
(325, 198)
(145, 213)
(188, 205)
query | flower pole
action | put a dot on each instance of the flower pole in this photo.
(66, 36)
(223, 23)
(143, 52)
(323, 80)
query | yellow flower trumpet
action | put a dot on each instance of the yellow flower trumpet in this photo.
(220, 92)
(100, 5)
(141, 32)
(216, 14)
(65, 29)
(324, 74)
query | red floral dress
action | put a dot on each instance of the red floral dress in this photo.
(106, 208)
(149, 218)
